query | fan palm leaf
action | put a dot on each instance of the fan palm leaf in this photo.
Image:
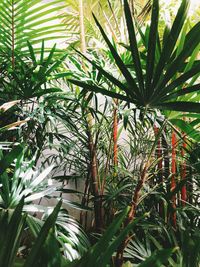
(156, 84)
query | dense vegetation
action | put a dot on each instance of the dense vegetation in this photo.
(107, 125)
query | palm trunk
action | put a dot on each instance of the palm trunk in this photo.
(173, 172)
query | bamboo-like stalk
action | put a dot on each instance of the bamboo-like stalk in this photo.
(82, 28)
(91, 146)
(115, 135)
(173, 172)
(94, 183)
(106, 166)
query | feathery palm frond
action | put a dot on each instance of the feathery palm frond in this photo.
(23, 21)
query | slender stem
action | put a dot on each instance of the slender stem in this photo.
(94, 183)
(115, 135)
(131, 3)
(82, 28)
(190, 186)
(183, 172)
(84, 198)
(91, 146)
(166, 166)
(109, 25)
(159, 156)
(106, 167)
(133, 205)
(114, 16)
(131, 215)
(173, 172)
(136, 196)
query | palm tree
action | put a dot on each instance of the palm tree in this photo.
(154, 83)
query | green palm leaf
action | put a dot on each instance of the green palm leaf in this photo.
(32, 21)
(171, 40)
(152, 45)
(165, 71)
(133, 45)
(133, 88)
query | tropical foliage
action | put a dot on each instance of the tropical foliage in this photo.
(99, 134)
